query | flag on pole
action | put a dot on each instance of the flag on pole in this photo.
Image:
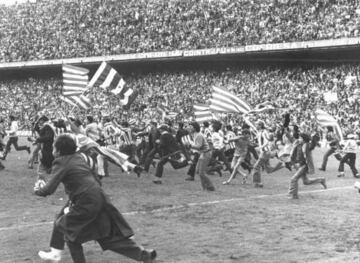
(224, 101)
(80, 101)
(129, 98)
(250, 124)
(108, 78)
(75, 80)
(324, 119)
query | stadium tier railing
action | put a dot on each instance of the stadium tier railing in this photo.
(166, 55)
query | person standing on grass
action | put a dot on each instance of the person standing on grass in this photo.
(13, 138)
(45, 140)
(89, 214)
(201, 145)
(301, 157)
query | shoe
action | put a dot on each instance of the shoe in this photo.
(2, 167)
(189, 178)
(258, 185)
(322, 169)
(28, 149)
(226, 183)
(357, 175)
(53, 256)
(341, 175)
(323, 183)
(138, 170)
(288, 166)
(210, 189)
(148, 256)
(290, 196)
(157, 181)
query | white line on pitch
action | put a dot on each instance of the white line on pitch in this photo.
(174, 207)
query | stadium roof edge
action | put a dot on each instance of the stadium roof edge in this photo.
(186, 54)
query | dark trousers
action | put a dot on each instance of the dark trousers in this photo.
(326, 157)
(149, 158)
(126, 247)
(350, 159)
(14, 141)
(302, 173)
(192, 168)
(130, 150)
(176, 164)
(252, 150)
(219, 153)
(141, 151)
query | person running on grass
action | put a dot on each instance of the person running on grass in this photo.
(89, 214)
(301, 157)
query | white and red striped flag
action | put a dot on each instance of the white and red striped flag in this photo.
(324, 119)
(224, 101)
(80, 101)
(108, 78)
(202, 113)
(75, 80)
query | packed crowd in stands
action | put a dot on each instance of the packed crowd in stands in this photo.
(64, 29)
(299, 89)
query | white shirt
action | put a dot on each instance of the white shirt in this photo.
(217, 140)
(263, 140)
(13, 129)
(350, 146)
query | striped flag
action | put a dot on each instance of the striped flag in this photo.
(108, 78)
(75, 80)
(128, 99)
(224, 101)
(85, 143)
(202, 113)
(81, 101)
(187, 139)
(324, 119)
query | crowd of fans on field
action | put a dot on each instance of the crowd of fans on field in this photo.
(64, 29)
(299, 89)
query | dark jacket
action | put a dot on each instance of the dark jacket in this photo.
(154, 135)
(180, 133)
(168, 144)
(46, 138)
(91, 215)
